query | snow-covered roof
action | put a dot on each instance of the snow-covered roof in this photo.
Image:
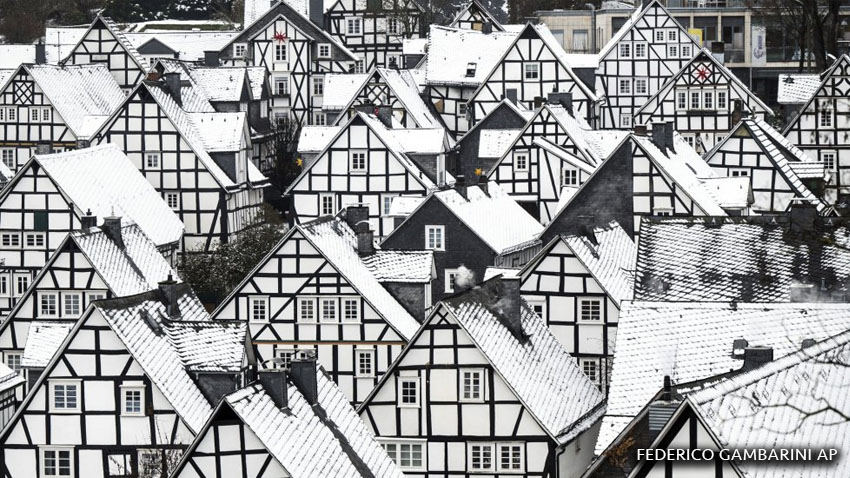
(506, 272)
(5, 75)
(314, 139)
(403, 206)
(13, 56)
(582, 60)
(104, 180)
(59, 42)
(256, 80)
(561, 152)
(796, 89)
(189, 45)
(339, 89)
(414, 46)
(221, 83)
(331, 438)
(333, 237)
(405, 87)
(748, 259)
(730, 192)
(471, 10)
(450, 50)
(691, 341)
(542, 374)
(401, 266)
(609, 254)
(221, 132)
(9, 378)
(83, 95)
(419, 140)
(494, 143)
(43, 339)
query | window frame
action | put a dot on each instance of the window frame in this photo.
(482, 387)
(499, 453)
(8, 157)
(643, 48)
(318, 85)
(447, 280)
(352, 158)
(168, 196)
(641, 81)
(439, 245)
(14, 239)
(322, 198)
(400, 403)
(411, 442)
(590, 301)
(42, 311)
(624, 50)
(826, 165)
(334, 301)
(281, 48)
(265, 301)
(827, 113)
(243, 47)
(627, 82)
(597, 377)
(313, 309)
(348, 24)
(39, 239)
(129, 388)
(522, 155)
(8, 354)
(66, 382)
(531, 68)
(363, 352)
(153, 155)
(344, 302)
(470, 446)
(573, 172)
(65, 296)
(56, 449)
(323, 46)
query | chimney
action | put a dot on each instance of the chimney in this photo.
(168, 293)
(640, 130)
(487, 28)
(172, 82)
(42, 148)
(88, 220)
(803, 292)
(303, 372)
(484, 184)
(669, 128)
(662, 409)
(662, 136)
(112, 228)
(738, 347)
(40, 53)
(511, 95)
(803, 216)
(365, 239)
(460, 185)
(564, 99)
(738, 112)
(538, 102)
(808, 343)
(317, 13)
(385, 115)
(355, 214)
(274, 383)
(211, 58)
(508, 307)
(154, 76)
(755, 357)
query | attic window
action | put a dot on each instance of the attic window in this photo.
(470, 69)
(324, 50)
(240, 49)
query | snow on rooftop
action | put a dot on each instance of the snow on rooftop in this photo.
(494, 143)
(43, 340)
(220, 83)
(729, 192)
(220, 132)
(796, 89)
(314, 139)
(414, 46)
(402, 206)
(609, 254)
(401, 266)
(189, 45)
(12, 56)
(339, 89)
(59, 42)
(452, 51)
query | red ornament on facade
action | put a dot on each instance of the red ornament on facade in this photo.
(703, 73)
(280, 37)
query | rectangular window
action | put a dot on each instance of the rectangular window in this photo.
(64, 396)
(659, 36)
(12, 113)
(435, 238)
(451, 276)
(673, 35)
(472, 385)
(625, 120)
(521, 160)
(640, 86)
(392, 26)
(133, 398)
(280, 52)
(591, 310)
(45, 115)
(10, 239)
(120, 465)
(461, 108)
(359, 66)
(4, 285)
(329, 310)
(721, 101)
(481, 457)
(510, 457)
(625, 86)
(640, 50)
(354, 26)
(71, 305)
(828, 158)
(672, 51)
(152, 160)
(682, 100)
(470, 69)
(590, 367)
(569, 177)
(662, 211)
(13, 360)
(695, 100)
(318, 86)
(409, 392)
(324, 50)
(708, 100)
(358, 160)
(33, 115)
(48, 304)
(281, 86)
(686, 51)
(625, 50)
(22, 283)
(283, 358)
(306, 310)
(532, 71)
(409, 456)
(387, 205)
(319, 119)
(739, 173)
(825, 113)
(172, 199)
(327, 204)
(240, 50)
(259, 308)
(351, 310)
(7, 155)
(365, 363)
(34, 239)
(56, 462)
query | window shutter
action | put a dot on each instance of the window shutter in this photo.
(40, 220)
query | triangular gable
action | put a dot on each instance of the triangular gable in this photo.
(155, 46)
(836, 82)
(102, 23)
(474, 12)
(366, 92)
(655, 8)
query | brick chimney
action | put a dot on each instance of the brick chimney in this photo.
(172, 82)
(274, 383)
(112, 228)
(302, 371)
(355, 214)
(169, 297)
(365, 239)
(317, 13)
(88, 220)
(803, 216)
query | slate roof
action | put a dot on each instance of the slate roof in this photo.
(401, 266)
(693, 341)
(404, 85)
(480, 8)
(102, 179)
(747, 259)
(730, 192)
(83, 95)
(256, 80)
(540, 372)
(12, 56)
(796, 89)
(609, 254)
(43, 339)
(221, 83)
(340, 88)
(9, 378)
(189, 45)
(494, 143)
(328, 435)
(220, 132)
(451, 49)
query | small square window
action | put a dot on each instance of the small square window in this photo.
(133, 398)
(283, 358)
(435, 238)
(358, 160)
(240, 50)
(13, 360)
(672, 35)
(625, 50)
(625, 86)
(591, 310)
(64, 396)
(329, 310)
(828, 158)
(672, 51)
(739, 173)
(640, 86)
(320, 119)
(409, 392)
(48, 304)
(662, 211)
(640, 50)
(306, 310)
(659, 36)
(365, 360)
(625, 120)
(259, 309)
(481, 457)
(56, 462)
(569, 177)
(532, 71)
(152, 160)
(71, 305)
(521, 161)
(324, 50)
(351, 310)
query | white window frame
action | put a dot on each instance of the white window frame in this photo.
(322, 209)
(826, 165)
(318, 85)
(55, 449)
(522, 160)
(574, 175)
(387, 204)
(722, 100)
(13, 359)
(624, 50)
(353, 160)
(672, 35)
(153, 160)
(624, 86)
(334, 301)
(172, 200)
(531, 71)
(641, 86)
(685, 51)
(739, 172)
(395, 452)
(826, 116)
(510, 469)
(7, 155)
(52, 383)
(324, 50)
(262, 300)
(439, 238)
(659, 36)
(590, 301)
(240, 46)
(672, 51)
(132, 388)
(356, 32)
(625, 120)
(359, 66)
(35, 240)
(281, 85)
(594, 363)
(10, 239)
(694, 95)
(640, 50)
(462, 375)
(662, 211)
(401, 381)
(281, 53)
(470, 446)
(447, 283)
(66, 296)
(344, 302)
(313, 307)
(25, 278)
(287, 354)
(42, 310)
(358, 354)
(708, 98)
(682, 100)
(320, 119)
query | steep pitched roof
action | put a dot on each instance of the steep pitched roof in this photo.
(796, 89)
(9, 378)
(838, 69)
(472, 8)
(638, 14)
(450, 50)
(340, 89)
(119, 36)
(748, 259)
(43, 339)
(693, 341)
(401, 266)
(609, 254)
(189, 45)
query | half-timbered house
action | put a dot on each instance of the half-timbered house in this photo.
(484, 387)
(531, 68)
(10, 385)
(468, 228)
(779, 171)
(576, 284)
(474, 16)
(325, 287)
(256, 431)
(104, 43)
(51, 196)
(198, 159)
(297, 52)
(127, 390)
(647, 51)
(92, 263)
(457, 63)
(554, 153)
(704, 100)
(821, 128)
(48, 108)
(369, 162)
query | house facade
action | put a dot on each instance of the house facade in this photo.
(104, 43)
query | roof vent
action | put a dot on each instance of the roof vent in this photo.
(808, 343)
(151, 322)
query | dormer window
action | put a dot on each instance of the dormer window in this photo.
(470, 69)
(240, 50)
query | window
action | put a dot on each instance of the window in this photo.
(662, 211)
(828, 158)
(625, 86)
(48, 304)
(319, 119)
(22, 283)
(365, 363)
(591, 310)
(351, 310)
(451, 277)
(625, 50)
(327, 204)
(172, 199)
(640, 86)
(56, 462)
(695, 100)
(510, 457)
(324, 50)
(33, 115)
(306, 310)
(120, 465)
(12, 113)
(280, 52)
(434, 238)
(259, 309)
(240, 50)
(521, 160)
(682, 100)
(640, 50)
(409, 392)
(672, 51)
(7, 155)
(358, 160)
(470, 69)
(393, 26)
(329, 310)
(590, 368)
(359, 66)
(625, 120)
(93, 296)
(64, 395)
(13, 360)
(672, 35)
(472, 385)
(281, 86)
(150, 462)
(659, 36)
(689, 138)
(45, 115)
(409, 456)
(152, 160)
(387, 205)
(34, 239)
(354, 26)
(579, 41)
(283, 358)
(10, 239)
(708, 100)
(739, 173)
(686, 51)
(461, 108)
(569, 177)
(318, 85)
(133, 400)
(532, 71)
(539, 308)
(4, 285)
(71, 305)
(481, 457)
(825, 114)
(721, 100)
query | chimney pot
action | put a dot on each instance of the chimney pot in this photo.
(355, 214)
(168, 291)
(640, 130)
(564, 99)
(808, 343)
(487, 28)
(738, 347)
(112, 228)
(88, 220)
(303, 373)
